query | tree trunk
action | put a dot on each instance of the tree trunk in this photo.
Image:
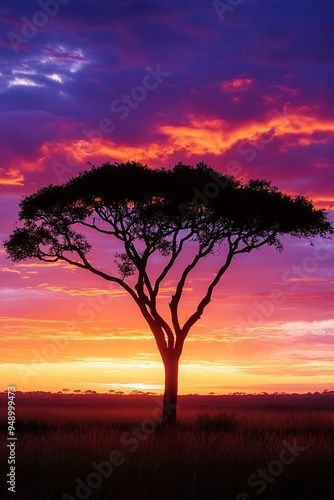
(171, 363)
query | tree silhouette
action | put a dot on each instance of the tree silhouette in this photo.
(158, 216)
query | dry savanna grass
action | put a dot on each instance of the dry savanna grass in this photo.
(108, 447)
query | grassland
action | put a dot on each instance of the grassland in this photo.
(229, 447)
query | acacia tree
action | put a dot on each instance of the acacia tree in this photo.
(180, 215)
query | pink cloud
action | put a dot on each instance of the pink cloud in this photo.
(237, 85)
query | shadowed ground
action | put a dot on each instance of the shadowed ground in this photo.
(216, 453)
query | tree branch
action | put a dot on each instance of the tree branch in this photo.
(207, 297)
(180, 285)
(175, 253)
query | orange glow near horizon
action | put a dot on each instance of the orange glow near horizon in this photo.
(85, 348)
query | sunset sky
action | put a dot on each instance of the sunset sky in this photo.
(247, 89)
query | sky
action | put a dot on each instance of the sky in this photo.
(246, 86)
